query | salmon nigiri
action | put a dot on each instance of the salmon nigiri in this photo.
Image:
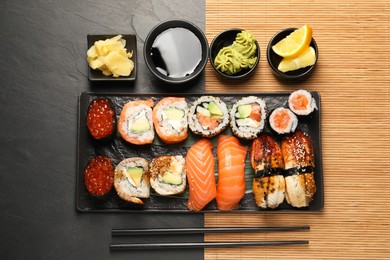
(231, 176)
(200, 175)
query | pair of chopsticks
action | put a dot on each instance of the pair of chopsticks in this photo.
(180, 231)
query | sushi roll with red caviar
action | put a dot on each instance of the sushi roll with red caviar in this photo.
(101, 120)
(208, 116)
(247, 117)
(301, 102)
(99, 176)
(283, 121)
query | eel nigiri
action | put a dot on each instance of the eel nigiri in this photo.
(298, 156)
(200, 175)
(135, 122)
(170, 119)
(268, 184)
(231, 176)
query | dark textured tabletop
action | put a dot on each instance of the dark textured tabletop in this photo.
(43, 71)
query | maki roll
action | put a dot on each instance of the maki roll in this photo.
(168, 175)
(131, 180)
(298, 156)
(170, 119)
(267, 161)
(301, 102)
(135, 122)
(208, 116)
(99, 175)
(101, 119)
(283, 121)
(247, 117)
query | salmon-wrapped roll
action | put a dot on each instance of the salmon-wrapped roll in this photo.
(268, 184)
(298, 156)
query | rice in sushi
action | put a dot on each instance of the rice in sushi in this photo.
(247, 117)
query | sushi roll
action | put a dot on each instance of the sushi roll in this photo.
(131, 180)
(301, 102)
(168, 175)
(208, 116)
(101, 120)
(247, 117)
(99, 176)
(283, 121)
(135, 122)
(299, 164)
(170, 119)
(267, 161)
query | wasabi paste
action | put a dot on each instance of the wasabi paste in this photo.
(240, 55)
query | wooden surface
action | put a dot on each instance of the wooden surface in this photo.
(353, 77)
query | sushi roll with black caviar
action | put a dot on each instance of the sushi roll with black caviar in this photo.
(208, 116)
(301, 102)
(247, 117)
(131, 180)
(168, 175)
(283, 120)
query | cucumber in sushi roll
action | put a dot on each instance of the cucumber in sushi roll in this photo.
(135, 122)
(168, 175)
(170, 119)
(131, 180)
(247, 117)
(208, 116)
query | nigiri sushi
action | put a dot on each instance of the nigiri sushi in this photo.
(301, 102)
(200, 175)
(208, 116)
(268, 184)
(231, 175)
(298, 157)
(170, 119)
(283, 121)
(135, 122)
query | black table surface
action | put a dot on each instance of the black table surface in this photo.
(43, 70)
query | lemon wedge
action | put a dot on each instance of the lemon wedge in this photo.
(295, 43)
(307, 58)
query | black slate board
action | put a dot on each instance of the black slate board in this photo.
(118, 149)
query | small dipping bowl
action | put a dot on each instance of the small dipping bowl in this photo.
(155, 62)
(224, 39)
(274, 59)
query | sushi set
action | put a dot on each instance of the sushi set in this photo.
(177, 153)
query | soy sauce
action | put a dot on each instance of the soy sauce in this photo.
(176, 52)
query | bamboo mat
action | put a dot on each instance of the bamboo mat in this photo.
(353, 77)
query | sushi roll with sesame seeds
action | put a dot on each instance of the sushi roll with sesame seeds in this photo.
(208, 116)
(301, 102)
(247, 117)
(283, 121)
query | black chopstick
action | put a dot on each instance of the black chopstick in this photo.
(204, 245)
(176, 231)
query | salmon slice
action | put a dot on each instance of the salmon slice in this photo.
(231, 176)
(200, 175)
